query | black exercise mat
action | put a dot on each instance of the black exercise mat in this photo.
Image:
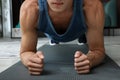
(59, 66)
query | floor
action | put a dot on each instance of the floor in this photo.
(9, 50)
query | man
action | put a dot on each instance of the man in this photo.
(62, 21)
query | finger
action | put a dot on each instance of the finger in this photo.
(87, 67)
(77, 54)
(35, 60)
(80, 64)
(40, 54)
(34, 73)
(35, 69)
(81, 58)
(83, 71)
(35, 65)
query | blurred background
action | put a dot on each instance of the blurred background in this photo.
(9, 18)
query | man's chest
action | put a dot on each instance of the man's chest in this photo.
(61, 23)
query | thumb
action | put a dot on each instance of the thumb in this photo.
(77, 54)
(40, 54)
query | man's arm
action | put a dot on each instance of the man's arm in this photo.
(95, 21)
(28, 28)
(94, 15)
(32, 59)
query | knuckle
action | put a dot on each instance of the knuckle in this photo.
(76, 68)
(88, 71)
(41, 65)
(34, 73)
(29, 68)
(75, 60)
(75, 64)
(87, 61)
(29, 64)
(88, 67)
(83, 71)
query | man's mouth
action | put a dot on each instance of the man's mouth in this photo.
(57, 3)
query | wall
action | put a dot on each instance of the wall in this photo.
(0, 20)
(116, 32)
(6, 17)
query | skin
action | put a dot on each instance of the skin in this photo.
(60, 15)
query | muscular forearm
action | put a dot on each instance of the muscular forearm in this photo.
(95, 57)
(25, 56)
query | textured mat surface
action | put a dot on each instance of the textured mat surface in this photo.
(59, 61)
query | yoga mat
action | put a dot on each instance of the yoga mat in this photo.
(59, 60)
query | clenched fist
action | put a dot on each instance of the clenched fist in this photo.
(81, 63)
(35, 63)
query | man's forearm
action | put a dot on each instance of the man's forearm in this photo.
(95, 57)
(25, 56)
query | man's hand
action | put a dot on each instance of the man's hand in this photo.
(35, 63)
(81, 63)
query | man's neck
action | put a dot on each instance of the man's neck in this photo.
(60, 13)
